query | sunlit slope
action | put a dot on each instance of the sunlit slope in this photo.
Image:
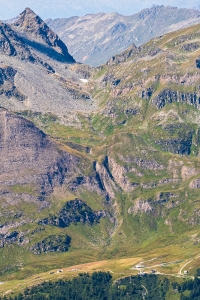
(132, 184)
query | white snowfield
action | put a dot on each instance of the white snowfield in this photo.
(84, 80)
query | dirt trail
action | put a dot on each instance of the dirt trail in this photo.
(187, 263)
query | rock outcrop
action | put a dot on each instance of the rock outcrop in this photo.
(152, 206)
(168, 96)
(105, 180)
(119, 174)
(53, 243)
(141, 206)
(7, 84)
(190, 47)
(73, 212)
(180, 139)
(195, 184)
(8, 239)
(13, 237)
(147, 164)
(120, 58)
(187, 172)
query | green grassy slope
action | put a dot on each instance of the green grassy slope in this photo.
(151, 155)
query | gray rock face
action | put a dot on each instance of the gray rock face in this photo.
(110, 34)
(13, 237)
(190, 47)
(152, 206)
(40, 79)
(8, 239)
(12, 44)
(105, 180)
(53, 243)
(7, 85)
(117, 59)
(148, 164)
(195, 184)
(36, 32)
(27, 156)
(74, 211)
(141, 206)
(169, 96)
(180, 141)
(7, 74)
(120, 175)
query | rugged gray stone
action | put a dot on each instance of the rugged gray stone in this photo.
(12, 44)
(37, 34)
(7, 85)
(27, 156)
(53, 243)
(168, 96)
(74, 211)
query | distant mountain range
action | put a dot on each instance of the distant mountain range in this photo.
(94, 38)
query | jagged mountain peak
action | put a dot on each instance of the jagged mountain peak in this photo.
(33, 28)
(28, 10)
(28, 20)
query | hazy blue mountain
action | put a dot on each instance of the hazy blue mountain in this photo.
(94, 38)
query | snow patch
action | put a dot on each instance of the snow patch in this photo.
(84, 80)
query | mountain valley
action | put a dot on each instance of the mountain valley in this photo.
(99, 166)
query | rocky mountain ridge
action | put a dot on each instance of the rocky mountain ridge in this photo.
(38, 61)
(95, 38)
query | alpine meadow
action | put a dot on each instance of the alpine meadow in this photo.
(100, 163)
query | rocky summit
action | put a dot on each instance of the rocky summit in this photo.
(41, 65)
(98, 164)
(39, 35)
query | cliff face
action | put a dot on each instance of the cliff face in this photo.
(170, 96)
(54, 243)
(7, 84)
(12, 44)
(73, 212)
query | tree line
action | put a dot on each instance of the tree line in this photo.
(100, 286)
